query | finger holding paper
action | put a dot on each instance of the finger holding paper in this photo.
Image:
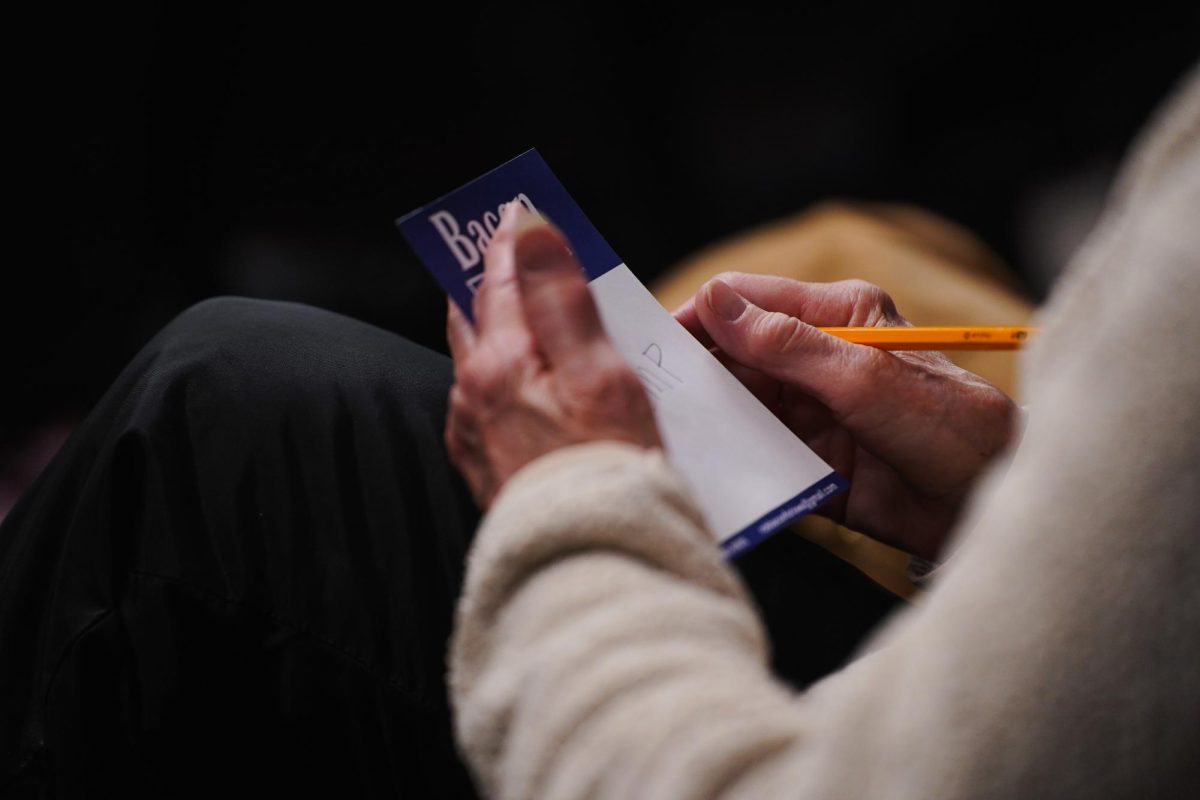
(911, 430)
(537, 373)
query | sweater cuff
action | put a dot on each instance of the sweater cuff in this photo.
(601, 495)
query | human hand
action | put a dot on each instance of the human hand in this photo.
(537, 372)
(910, 430)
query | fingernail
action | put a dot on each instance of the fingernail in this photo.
(516, 218)
(724, 301)
(539, 247)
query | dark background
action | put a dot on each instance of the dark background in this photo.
(166, 156)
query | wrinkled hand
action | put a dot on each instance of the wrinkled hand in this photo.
(910, 430)
(537, 372)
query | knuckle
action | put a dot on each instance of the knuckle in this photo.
(507, 349)
(482, 293)
(459, 405)
(866, 291)
(479, 376)
(467, 383)
(775, 333)
(874, 305)
(496, 368)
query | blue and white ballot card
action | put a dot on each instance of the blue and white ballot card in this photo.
(749, 474)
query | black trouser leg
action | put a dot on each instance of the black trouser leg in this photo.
(242, 569)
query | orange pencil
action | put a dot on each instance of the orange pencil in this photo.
(937, 337)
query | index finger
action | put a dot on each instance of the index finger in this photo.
(498, 314)
(819, 304)
(559, 308)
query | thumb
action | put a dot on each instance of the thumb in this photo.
(839, 374)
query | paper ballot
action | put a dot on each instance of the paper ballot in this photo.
(749, 474)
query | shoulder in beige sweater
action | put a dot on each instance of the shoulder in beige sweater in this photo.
(604, 649)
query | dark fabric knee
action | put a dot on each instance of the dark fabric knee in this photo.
(266, 353)
(264, 485)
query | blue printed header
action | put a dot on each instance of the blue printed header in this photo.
(451, 233)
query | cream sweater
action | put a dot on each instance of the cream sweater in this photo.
(604, 649)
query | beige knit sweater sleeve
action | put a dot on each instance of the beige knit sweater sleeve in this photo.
(604, 649)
